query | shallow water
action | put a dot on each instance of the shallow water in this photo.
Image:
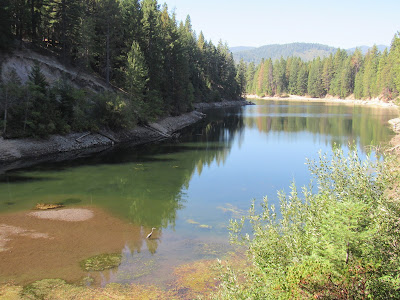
(190, 189)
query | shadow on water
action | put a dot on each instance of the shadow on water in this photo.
(18, 178)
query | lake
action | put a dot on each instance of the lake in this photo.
(187, 189)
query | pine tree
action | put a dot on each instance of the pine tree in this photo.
(108, 32)
(327, 73)
(302, 80)
(136, 74)
(260, 91)
(293, 75)
(6, 36)
(251, 69)
(370, 72)
(395, 57)
(314, 86)
(152, 47)
(241, 78)
(10, 89)
(346, 82)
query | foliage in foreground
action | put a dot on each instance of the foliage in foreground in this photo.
(340, 242)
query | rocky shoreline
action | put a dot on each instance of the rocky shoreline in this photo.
(14, 150)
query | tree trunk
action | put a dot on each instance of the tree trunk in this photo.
(108, 54)
(26, 110)
(5, 119)
(63, 30)
(33, 21)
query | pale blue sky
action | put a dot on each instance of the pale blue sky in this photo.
(339, 23)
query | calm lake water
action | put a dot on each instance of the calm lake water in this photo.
(188, 190)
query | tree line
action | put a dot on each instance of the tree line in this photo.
(161, 66)
(373, 75)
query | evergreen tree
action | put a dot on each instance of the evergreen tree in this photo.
(10, 94)
(327, 73)
(279, 73)
(358, 84)
(241, 78)
(346, 82)
(293, 75)
(260, 91)
(109, 31)
(42, 115)
(269, 84)
(395, 58)
(136, 74)
(370, 72)
(5, 24)
(251, 69)
(315, 87)
(302, 80)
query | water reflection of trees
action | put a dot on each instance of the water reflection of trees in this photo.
(342, 123)
(155, 196)
(146, 186)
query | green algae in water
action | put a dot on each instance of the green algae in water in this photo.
(101, 262)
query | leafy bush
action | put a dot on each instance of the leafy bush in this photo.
(340, 242)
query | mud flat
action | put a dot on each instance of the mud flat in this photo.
(50, 244)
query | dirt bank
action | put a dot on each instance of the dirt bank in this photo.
(17, 149)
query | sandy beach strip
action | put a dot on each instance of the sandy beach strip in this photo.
(373, 102)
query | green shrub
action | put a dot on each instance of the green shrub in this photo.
(340, 242)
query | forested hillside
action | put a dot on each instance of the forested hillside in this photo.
(160, 66)
(375, 74)
(306, 51)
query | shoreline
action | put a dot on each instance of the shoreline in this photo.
(14, 151)
(328, 100)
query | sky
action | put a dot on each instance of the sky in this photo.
(338, 23)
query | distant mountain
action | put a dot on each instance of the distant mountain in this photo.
(241, 48)
(364, 49)
(306, 51)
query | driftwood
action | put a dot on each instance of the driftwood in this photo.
(105, 134)
(157, 131)
(78, 139)
(394, 148)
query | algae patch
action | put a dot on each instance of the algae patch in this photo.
(101, 262)
(205, 226)
(190, 221)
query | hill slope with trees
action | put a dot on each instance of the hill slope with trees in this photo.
(158, 65)
(342, 74)
(306, 51)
